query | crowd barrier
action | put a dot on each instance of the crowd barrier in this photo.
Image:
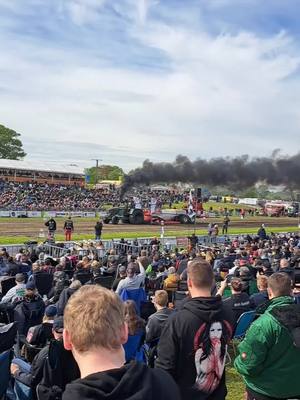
(131, 246)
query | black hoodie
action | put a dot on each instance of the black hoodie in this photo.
(186, 346)
(134, 381)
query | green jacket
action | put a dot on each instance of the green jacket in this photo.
(268, 357)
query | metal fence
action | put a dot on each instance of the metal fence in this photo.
(130, 246)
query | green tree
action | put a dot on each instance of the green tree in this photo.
(11, 146)
(104, 172)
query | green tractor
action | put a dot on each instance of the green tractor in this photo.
(133, 216)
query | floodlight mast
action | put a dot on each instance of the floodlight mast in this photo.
(97, 166)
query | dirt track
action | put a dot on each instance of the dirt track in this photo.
(31, 227)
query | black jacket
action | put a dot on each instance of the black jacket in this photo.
(33, 378)
(63, 299)
(134, 381)
(257, 299)
(185, 347)
(98, 228)
(237, 304)
(156, 323)
(29, 313)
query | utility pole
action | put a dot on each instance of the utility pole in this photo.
(97, 166)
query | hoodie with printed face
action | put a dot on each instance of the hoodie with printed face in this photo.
(133, 381)
(193, 347)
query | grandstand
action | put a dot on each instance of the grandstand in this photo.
(41, 172)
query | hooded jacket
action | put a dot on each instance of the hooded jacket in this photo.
(156, 323)
(29, 313)
(270, 353)
(134, 381)
(193, 348)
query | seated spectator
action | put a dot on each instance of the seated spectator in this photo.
(144, 259)
(41, 334)
(16, 293)
(121, 275)
(261, 297)
(60, 281)
(30, 311)
(238, 302)
(157, 320)
(13, 267)
(248, 282)
(284, 266)
(171, 282)
(95, 331)
(133, 280)
(32, 375)
(25, 264)
(65, 295)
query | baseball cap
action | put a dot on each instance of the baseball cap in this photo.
(30, 286)
(51, 311)
(58, 324)
(20, 278)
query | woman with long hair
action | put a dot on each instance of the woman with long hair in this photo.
(136, 324)
(136, 333)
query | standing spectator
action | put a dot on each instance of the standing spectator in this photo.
(51, 225)
(95, 331)
(98, 230)
(193, 344)
(269, 355)
(193, 241)
(157, 320)
(133, 280)
(262, 232)
(261, 297)
(225, 225)
(69, 229)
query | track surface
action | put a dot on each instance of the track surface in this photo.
(32, 227)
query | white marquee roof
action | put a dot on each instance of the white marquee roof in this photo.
(41, 166)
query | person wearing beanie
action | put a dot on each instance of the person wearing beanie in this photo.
(41, 334)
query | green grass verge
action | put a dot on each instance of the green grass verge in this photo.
(144, 233)
(235, 385)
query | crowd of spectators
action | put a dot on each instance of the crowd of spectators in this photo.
(43, 197)
(175, 310)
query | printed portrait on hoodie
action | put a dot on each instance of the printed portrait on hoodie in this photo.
(210, 346)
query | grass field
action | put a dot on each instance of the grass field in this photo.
(235, 385)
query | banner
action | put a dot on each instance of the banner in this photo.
(76, 214)
(4, 213)
(62, 214)
(16, 214)
(89, 214)
(50, 214)
(182, 242)
(34, 214)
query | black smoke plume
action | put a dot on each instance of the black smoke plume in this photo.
(240, 172)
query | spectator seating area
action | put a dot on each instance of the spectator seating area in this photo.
(36, 287)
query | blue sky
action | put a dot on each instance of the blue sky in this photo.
(125, 80)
